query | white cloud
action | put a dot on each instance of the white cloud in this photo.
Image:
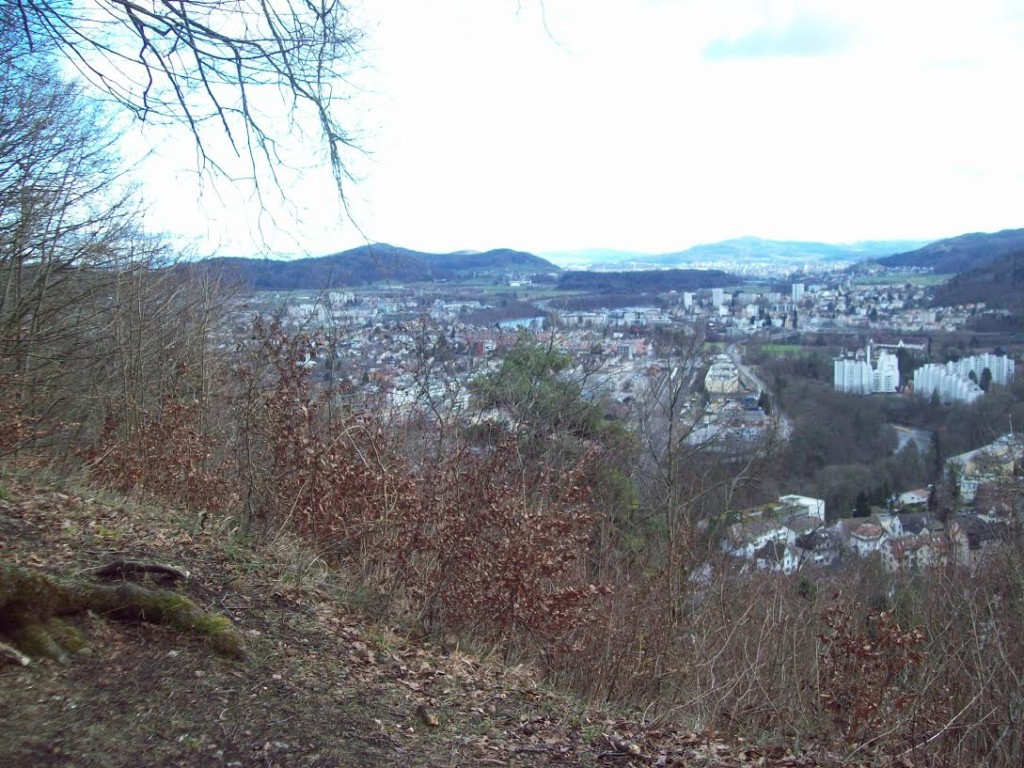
(803, 35)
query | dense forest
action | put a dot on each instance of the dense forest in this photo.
(998, 284)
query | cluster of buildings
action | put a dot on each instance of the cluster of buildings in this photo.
(405, 348)
(956, 381)
(960, 380)
(833, 303)
(790, 540)
(859, 375)
(793, 533)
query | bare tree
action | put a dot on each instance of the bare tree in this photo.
(238, 65)
(90, 323)
(691, 469)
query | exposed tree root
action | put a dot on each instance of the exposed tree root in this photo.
(32, 602)
(121, 569)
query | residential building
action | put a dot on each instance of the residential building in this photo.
(776, 556)
(745, 538)
(927, 550)
(992, 462)
(858, 376)
(1000, 366)
(867, 538)
(809, 506)
(852, 375)
(886, 376)
(947, 385)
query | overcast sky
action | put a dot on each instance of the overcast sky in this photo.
(654, 125)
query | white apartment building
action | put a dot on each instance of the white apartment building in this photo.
(857, 376)
(951, 387)
(952, 381)
(886, 376)
(852, 375)
(798, 292)
(1000, 366)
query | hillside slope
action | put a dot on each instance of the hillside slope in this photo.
(998, 283)
(322, 684)
(959, 254)
(743, 249)
(370, 264)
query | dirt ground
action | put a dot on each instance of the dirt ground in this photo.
(321, 685)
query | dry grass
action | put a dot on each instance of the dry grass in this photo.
(322, 686)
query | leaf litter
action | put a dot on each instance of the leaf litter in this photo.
(322, 685)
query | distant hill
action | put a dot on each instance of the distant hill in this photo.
(998, 283)
(741, 252)
(651, 281)
(372, 263)
(602, 258)
(500, 259)
(796, 252)
(960, 254)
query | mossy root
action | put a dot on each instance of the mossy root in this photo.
(30, 603)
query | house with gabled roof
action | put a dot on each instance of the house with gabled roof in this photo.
(990, 463)
(776, 556)
(821, 547)
(927, 550)
(745, 538)
(866, 538)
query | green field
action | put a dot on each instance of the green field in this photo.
(781, 349)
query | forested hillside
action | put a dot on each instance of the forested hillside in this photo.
(998, 284)
(960, 254)
(369, 264)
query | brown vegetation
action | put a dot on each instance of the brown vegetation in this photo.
(483, 541)
(541, 529)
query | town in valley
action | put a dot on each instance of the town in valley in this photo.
(718, 362)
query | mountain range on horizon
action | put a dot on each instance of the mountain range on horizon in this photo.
(373, 263)
(750, 250)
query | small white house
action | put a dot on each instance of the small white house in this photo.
(867, 538)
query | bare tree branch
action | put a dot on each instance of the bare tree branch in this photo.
(235, 64)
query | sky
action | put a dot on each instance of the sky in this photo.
(647, 125)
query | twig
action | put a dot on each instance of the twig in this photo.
(12, 653)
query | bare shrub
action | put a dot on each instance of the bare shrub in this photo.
(868, 672)
(165, 454)
(307, 463)
(496, 549)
